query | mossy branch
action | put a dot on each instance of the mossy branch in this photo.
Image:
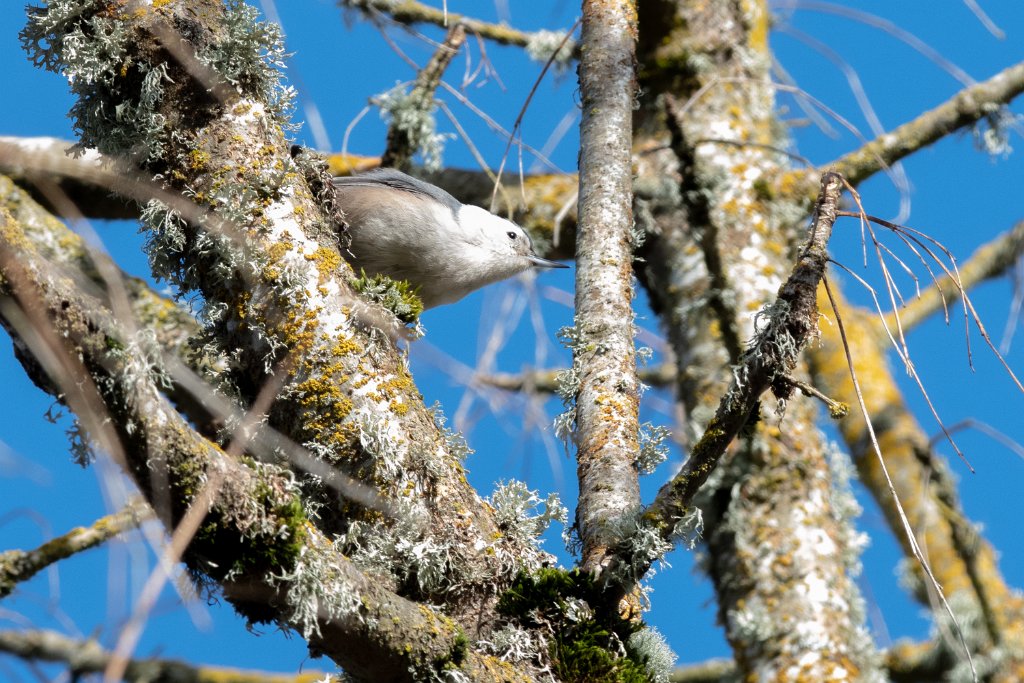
(273, 563)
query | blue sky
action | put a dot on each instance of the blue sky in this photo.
(959, 194)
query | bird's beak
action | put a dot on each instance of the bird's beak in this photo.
(544, 263)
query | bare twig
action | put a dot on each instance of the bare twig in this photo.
(908, 531)
(988, 261)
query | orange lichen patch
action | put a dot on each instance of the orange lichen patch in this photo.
(327, 260)
(396, 387)
(347, 164)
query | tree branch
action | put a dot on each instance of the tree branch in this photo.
(17, 566)
(791, 323)
(604, 355)
(255, 528)
(99, 189)
(904, 663)
(403, 141)
(259, 241)
(970, 105)
(87, 656)
(412, 12)
(546, 381)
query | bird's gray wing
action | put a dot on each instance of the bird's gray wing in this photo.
(396, 180)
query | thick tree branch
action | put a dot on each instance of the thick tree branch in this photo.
(545, 206)
(23, 159)
(961, 560)
(604, 355)
(254, 525)
(260, 243)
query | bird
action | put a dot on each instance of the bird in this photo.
(408, 229)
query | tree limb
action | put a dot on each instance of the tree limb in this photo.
(402, 140)
(970, 105)
(774, 352)
(17, 566)
(87, 656)
(412, 12)
(604, 355)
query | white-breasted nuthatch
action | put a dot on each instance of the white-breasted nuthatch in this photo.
(411, 230)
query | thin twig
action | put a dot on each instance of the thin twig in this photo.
(908, 531)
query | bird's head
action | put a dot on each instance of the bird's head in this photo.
(503, 238)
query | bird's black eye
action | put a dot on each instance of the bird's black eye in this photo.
(511, 235)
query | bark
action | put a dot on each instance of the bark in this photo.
(607, 399)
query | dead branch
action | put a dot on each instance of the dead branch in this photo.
(412, 12)
(968, 106)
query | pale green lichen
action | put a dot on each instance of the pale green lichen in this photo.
(992, 133)
(398, 296)
(516, 512)
(641, 543)
(651, 648)
(454, 440)
(117, 98)
(543, 44)
(250, 56)
(567, 386)
(406, 113)
(653, 447)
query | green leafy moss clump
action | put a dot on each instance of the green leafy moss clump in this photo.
(584, 641)
(398, 296)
